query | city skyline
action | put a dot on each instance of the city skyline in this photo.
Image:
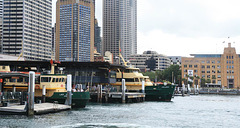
(164, 24)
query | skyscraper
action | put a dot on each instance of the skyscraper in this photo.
(97, 37)
(27, 28)
(1, 23)
(75, 30)
(120, 25)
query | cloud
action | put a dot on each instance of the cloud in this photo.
(188, 18)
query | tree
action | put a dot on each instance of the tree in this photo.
(172, 70)
(151, 63)
(203, 81)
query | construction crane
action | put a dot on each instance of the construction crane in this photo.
(120, 55)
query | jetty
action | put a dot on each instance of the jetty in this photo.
(43, 108)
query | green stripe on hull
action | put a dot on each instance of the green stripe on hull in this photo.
(159, 92)
(79, 99)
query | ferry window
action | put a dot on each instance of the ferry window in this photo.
(13, 80)
(136, 80)
(3, 67)
(141, 79)
(54, 80)
(60, 79)
(63, 79)
(57, 79)
(20, 80)
(119, 80)
(129, 80)
(45, 79)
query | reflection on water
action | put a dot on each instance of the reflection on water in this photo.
(193, 111)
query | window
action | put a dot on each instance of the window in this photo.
(213, 66)
(232, 62)
(218, 71)
(232, 57)
(185, 70)
(203, 76)
(195, 71)
(213, 71)
(185, 66)
(219, 76)
(227, 66)
(208, 76)
(203, 66)
(195, 66)
(203, 71)
(232, 66)
(203, 61)
(208, 71)
(208, 61)
(227, 57)
(227, 62)
(45, 79)
(213, 62)
(232, 71)
(218, 66)
(208, 66)
(190, 66)
(218, 61)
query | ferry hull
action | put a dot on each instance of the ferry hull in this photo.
(79, 99)
(159, 92)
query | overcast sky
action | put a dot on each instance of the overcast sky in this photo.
(183, 27)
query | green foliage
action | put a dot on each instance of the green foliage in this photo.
(203, 81)
(166, 75)
(208, 81)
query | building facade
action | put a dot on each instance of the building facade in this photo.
(53, 41)
(75, 30)
(27, 28)
(139, 60)
(120, 27)
(219, 69)
(1, 23)
(175, 60)
(97, 37)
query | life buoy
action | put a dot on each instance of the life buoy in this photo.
(37, 87)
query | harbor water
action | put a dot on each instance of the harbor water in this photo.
(190, 111)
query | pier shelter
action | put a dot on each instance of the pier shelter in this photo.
(85, 73)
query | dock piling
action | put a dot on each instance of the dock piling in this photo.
(43, 94)
(69, 90)
(31, 89)
(183, 89)
(123, 91)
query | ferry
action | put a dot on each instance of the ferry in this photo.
(133, 79)
(55, 85)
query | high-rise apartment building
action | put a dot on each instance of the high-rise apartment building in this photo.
(75, 30)
(97, 37)
(120, 27)
(53, 41)
(1, 23)
(27, 28)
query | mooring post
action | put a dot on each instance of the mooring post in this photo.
(69, 90)
(123, 91)
(44, 93)
(31, 89)
(189, 89)
(98, 93)
(183, 89)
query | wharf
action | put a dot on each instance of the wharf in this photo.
(43, 108)
(130, 97)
